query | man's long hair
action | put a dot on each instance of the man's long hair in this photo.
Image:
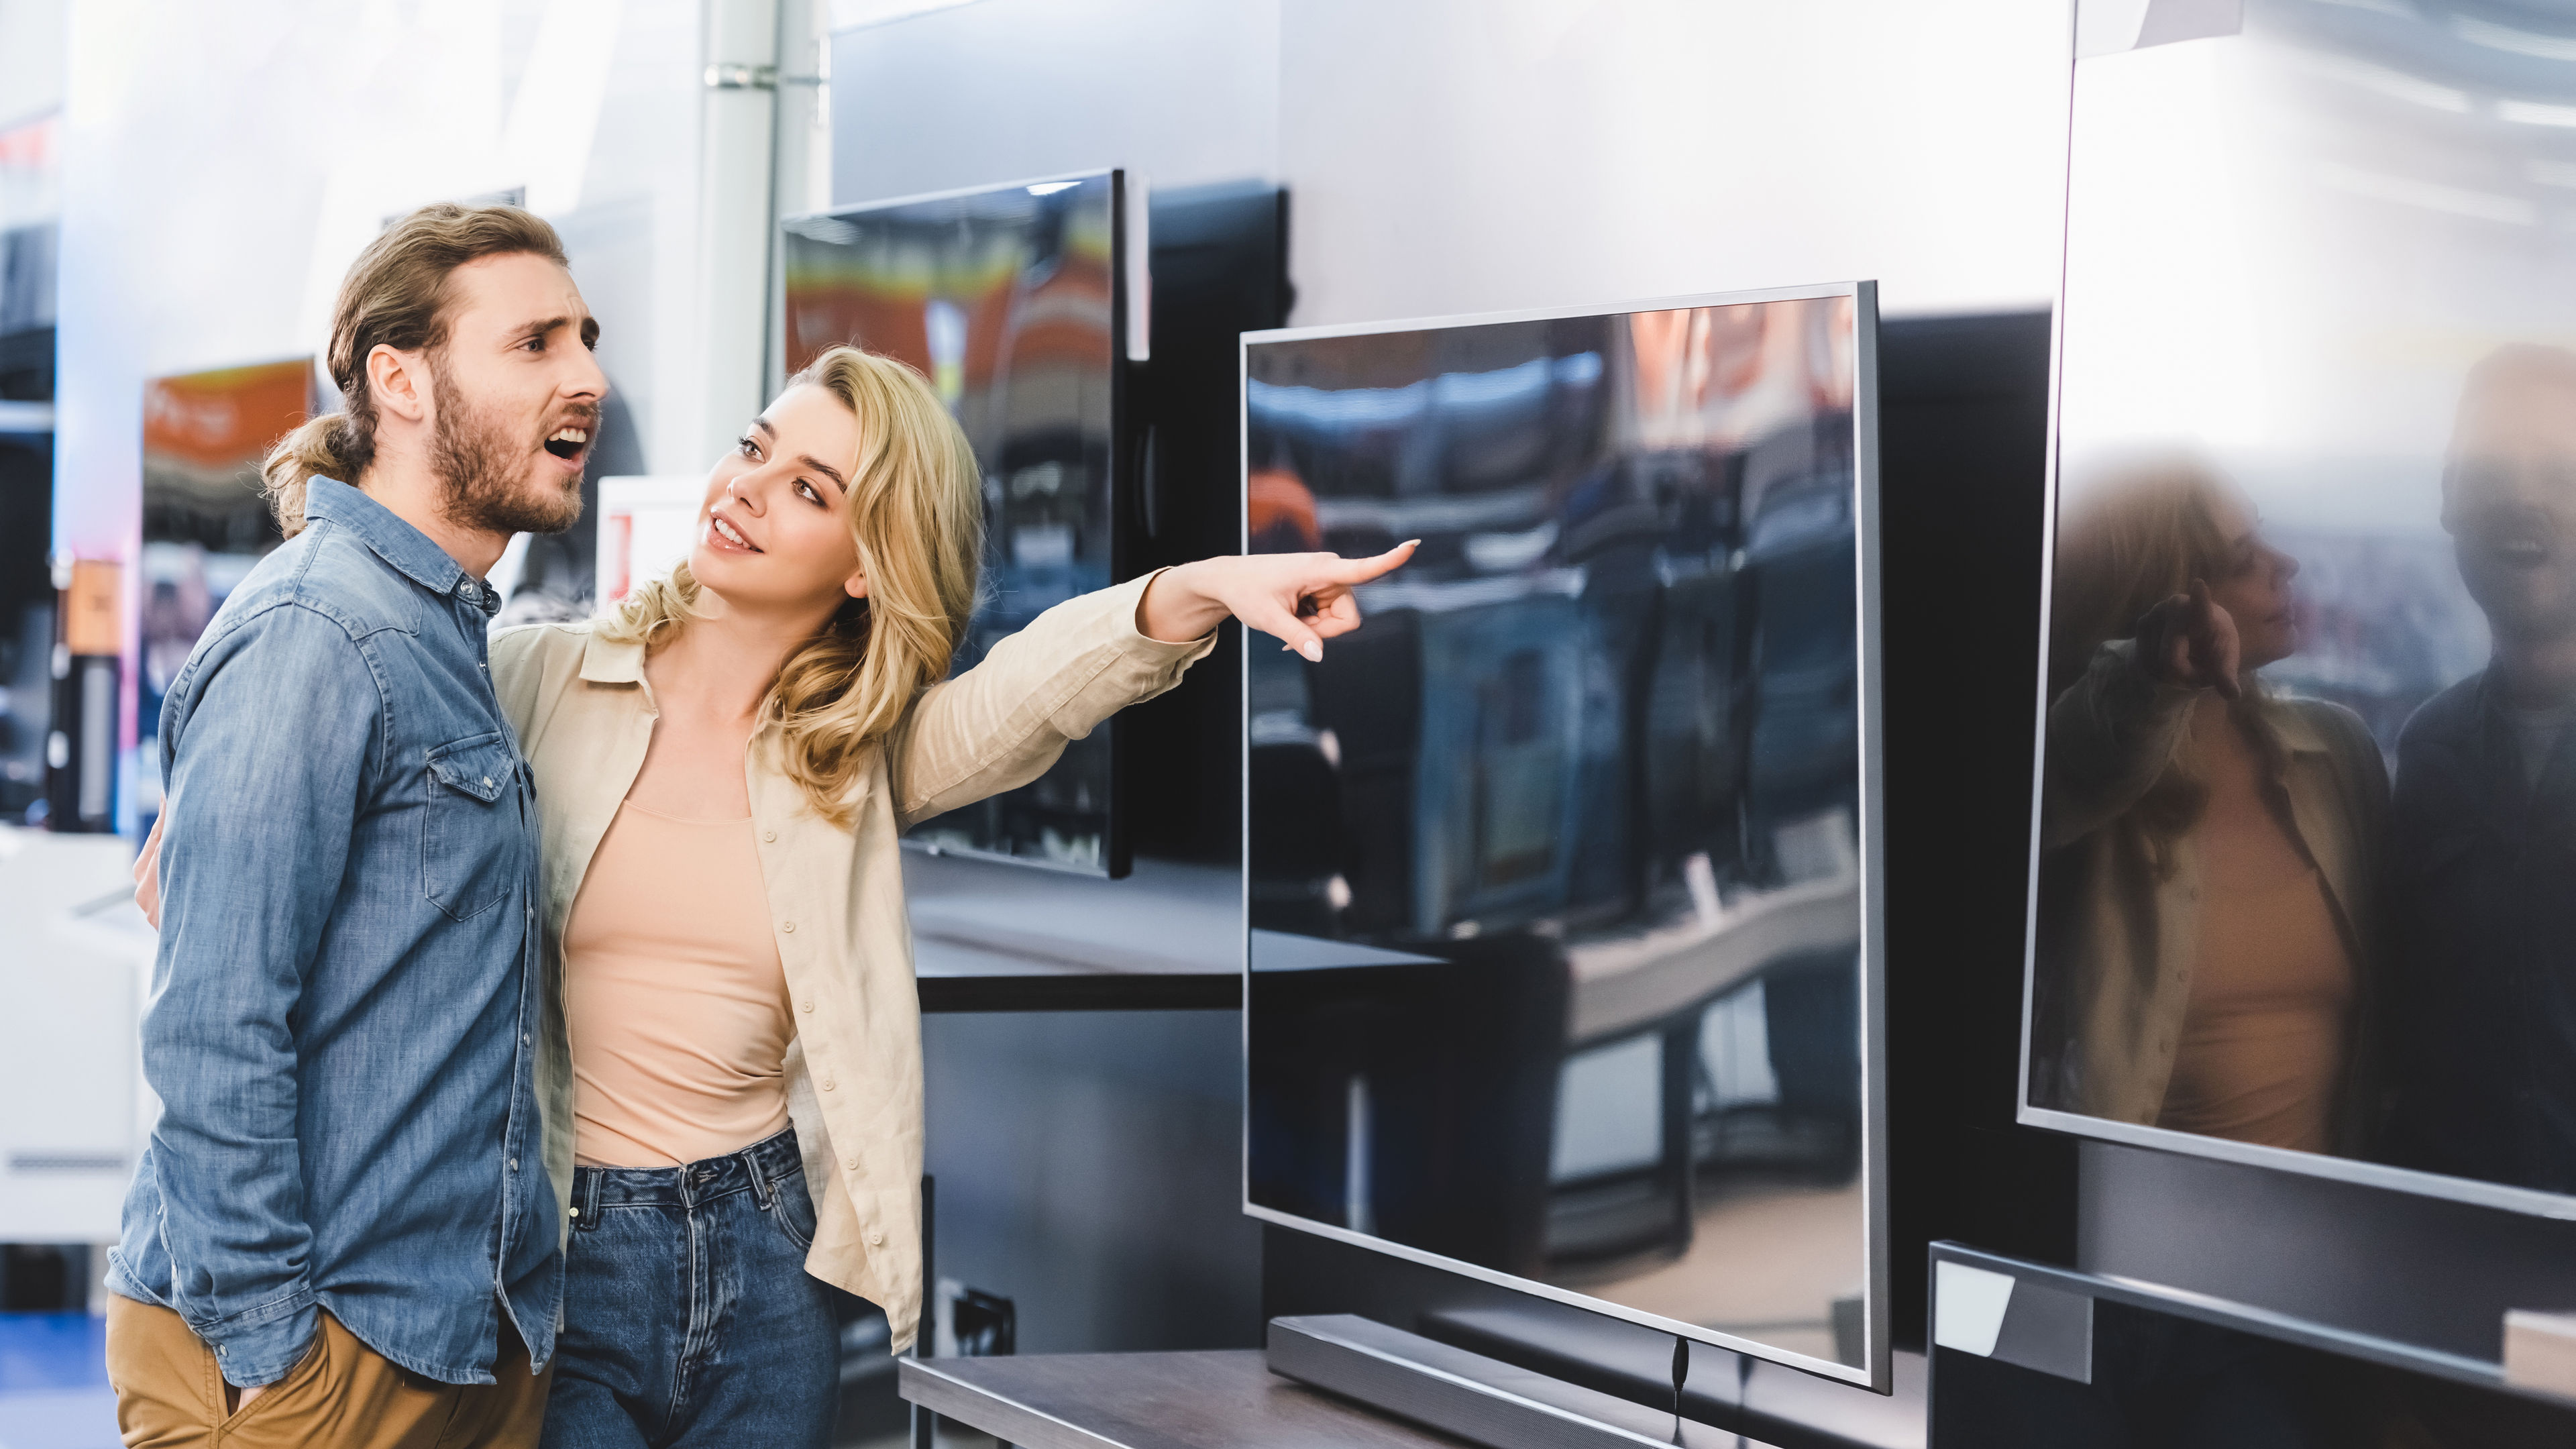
(397, 295)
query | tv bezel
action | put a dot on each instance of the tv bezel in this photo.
(1876, 1371)
(1130, 329)
(2538, 1202)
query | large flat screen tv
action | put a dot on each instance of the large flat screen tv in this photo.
(1562, 870)
(2305, 818)
(1018, 304)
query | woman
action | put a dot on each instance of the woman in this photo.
(724, 763)
(2211, 850)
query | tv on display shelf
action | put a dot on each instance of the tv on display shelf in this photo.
(1562, 870)
(1017, 302)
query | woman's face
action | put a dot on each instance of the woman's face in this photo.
(2253, 586)
(774, 529)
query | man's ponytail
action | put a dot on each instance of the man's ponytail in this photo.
(326, 447)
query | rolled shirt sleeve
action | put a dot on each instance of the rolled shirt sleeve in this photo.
(269, 764)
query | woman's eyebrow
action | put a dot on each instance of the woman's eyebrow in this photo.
(826, 469)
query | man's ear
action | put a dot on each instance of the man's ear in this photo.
(398, 382)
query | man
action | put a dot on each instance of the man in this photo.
(343, 1229)
(2482, 1033)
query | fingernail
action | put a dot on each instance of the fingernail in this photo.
(1313, 651)
(1409, 543)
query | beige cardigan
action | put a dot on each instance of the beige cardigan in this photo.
(2117, 938)
(584, 715)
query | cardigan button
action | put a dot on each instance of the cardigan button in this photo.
(851, 1163)
(769, 835)
(827, 1084)
(876, 1239)
(806, 1005)
(789, 927)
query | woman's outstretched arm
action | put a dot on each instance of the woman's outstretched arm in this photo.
(1302, 598)
(1000, 724)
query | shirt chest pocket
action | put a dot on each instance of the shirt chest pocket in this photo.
(472, 845)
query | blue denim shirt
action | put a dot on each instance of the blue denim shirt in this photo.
(344, 1022)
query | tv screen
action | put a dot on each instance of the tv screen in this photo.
(1015, 302)
(1563, 958)
(2307, 785)
(205, 520)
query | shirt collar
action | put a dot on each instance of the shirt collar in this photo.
(2297, 733)
(606, 661)
(396, 542)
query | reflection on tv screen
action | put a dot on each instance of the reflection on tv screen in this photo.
(1554, 864)
(2308, 782)
(1007, 300)
(205, 520)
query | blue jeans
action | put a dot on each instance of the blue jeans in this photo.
(689, 1318)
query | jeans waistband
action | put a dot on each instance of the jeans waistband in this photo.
(757, 1168)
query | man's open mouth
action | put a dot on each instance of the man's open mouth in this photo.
(2524, 552)
(567, 443)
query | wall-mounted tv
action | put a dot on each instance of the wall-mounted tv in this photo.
(1018, 303)
(1564, 950)
(205, 521)
(2306, 807)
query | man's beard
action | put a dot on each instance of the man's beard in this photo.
(484, 474)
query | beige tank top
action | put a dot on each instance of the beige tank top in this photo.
(2264, 1032)
(673, 995)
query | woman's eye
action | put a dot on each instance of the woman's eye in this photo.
(745, 446)
(809, 491)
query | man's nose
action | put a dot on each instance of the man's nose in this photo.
(589, 381)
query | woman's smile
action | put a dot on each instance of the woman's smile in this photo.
(723, 537)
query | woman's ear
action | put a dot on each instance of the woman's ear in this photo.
(856, 585)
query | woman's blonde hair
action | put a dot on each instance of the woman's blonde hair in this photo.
(2133, 536)
(916, 513)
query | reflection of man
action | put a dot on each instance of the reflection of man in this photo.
(2484, 1037)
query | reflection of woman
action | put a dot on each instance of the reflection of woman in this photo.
(2210, 848)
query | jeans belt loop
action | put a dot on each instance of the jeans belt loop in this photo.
(586, 1199)
(761, 1186)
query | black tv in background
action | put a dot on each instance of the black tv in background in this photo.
(1022, 304)
(1562, 868)
(1220, 257)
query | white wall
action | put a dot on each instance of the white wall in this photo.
(223, 164)
(1185, 91)
(1467, 155)
(31, 58)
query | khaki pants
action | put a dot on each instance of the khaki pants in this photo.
(170, 1396)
